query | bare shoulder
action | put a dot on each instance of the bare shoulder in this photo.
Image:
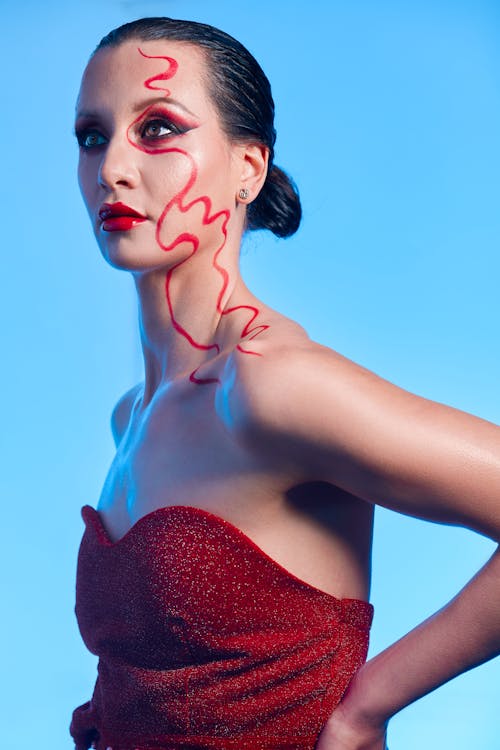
(120, 415)
(257, 364)
(310, 408)
(284, 372)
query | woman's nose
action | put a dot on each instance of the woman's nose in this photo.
(118, 166)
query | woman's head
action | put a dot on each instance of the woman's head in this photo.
(242, 96)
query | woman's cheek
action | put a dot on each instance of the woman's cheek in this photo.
(171, 176)
(87, 182)
(192, 216)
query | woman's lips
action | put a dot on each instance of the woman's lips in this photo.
(121, 223)
(118, 217)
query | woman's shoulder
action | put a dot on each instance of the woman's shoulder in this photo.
(270, 372)
(283, 355)
(120, 416)
(287, 384)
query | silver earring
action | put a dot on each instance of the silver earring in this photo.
(243, 194)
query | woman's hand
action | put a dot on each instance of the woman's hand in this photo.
(343, 732)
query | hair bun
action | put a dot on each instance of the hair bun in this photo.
(277, 207)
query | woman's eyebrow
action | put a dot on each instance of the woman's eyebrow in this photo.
(138, 106)
(161, 100)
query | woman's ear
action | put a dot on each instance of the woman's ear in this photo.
(254, 159)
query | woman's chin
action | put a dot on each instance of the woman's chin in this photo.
(131, 258)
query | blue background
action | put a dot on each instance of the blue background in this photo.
(388, 117)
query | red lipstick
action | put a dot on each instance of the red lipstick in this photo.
(117, 217)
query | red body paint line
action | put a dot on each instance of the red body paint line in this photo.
(178, 202)
(170, 72)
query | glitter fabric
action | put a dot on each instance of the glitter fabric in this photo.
(204, 641)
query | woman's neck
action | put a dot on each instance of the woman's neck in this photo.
(183, 318)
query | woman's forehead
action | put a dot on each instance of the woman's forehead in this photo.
(136, 55)
(136, 67)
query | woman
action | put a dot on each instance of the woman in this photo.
(224, 579)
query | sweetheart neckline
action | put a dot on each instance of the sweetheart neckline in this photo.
(366, 606)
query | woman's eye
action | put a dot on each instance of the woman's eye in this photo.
(158, 129)
(90, 139)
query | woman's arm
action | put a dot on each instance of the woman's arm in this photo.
(343, 424)
(323, 417)
(462, 635)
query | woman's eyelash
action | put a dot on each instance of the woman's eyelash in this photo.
(83, 134)
(162, 122)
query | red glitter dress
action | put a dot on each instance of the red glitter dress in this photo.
(205, 642)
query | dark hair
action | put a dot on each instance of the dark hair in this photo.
(242, 95)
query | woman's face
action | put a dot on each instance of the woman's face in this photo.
(151, 144)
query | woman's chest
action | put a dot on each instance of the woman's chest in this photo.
(178, 452)
(181, 454)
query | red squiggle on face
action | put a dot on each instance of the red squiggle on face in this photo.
(207, 224)
(165, 76)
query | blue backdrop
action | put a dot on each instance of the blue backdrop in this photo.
(388, 117)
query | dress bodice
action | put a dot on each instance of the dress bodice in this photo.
(204, 641)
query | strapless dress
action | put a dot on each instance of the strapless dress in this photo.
(204, 641)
